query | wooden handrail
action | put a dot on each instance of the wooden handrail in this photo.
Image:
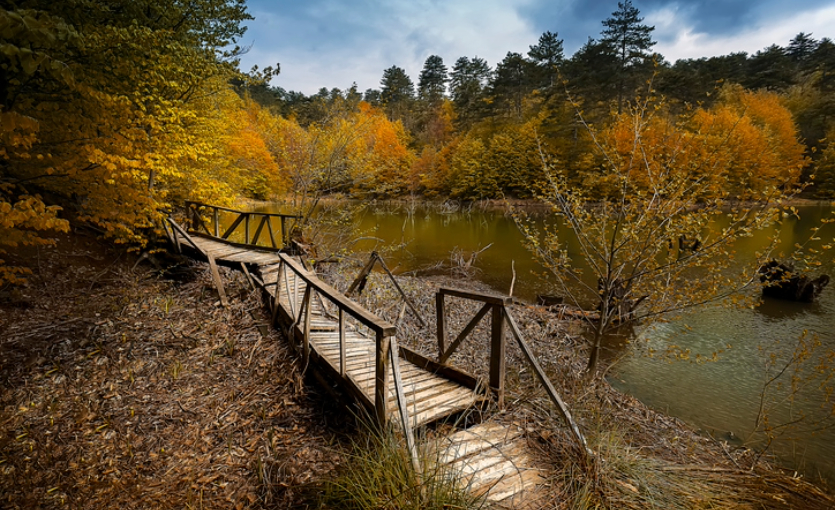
(243, 217)
(359, 313)
(500, 317)
(228, 209)
(493, 302)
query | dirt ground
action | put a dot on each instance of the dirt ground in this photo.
(122, 386)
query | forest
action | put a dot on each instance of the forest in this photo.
(113, 113)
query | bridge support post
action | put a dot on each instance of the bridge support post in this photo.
(497, 360)
(381, 378)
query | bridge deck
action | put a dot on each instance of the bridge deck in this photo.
(490, 459)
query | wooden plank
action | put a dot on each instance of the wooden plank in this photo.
(511, 462)
(218, 283)
(252, 257)
(519, 485)
(443, 411)
(221, 252)
(447, 371)
(493, 299)
(451, 399)
(367, 378)
(233, 243)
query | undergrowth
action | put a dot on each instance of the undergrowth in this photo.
(379, 474)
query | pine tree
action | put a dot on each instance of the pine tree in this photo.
(547, 55)
(432, 81)
(512, 81)
(631, 41)
(397, 92)
(467, 82)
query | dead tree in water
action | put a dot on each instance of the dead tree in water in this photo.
(780, 281)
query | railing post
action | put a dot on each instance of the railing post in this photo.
(341, 342)
(308, 299)
(439, 307)
(246, 228)
(216, 222)
(381, 377)
(283, 232)
(277, 298)
(497, 358)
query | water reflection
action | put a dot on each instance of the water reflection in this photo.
(777, 310)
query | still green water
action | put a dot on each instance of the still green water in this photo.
(721, 398)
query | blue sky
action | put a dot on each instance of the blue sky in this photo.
(333, 43)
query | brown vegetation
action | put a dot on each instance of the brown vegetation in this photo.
(125, 388)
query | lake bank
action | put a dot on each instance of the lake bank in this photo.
(106, 400)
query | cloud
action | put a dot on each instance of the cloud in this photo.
(333, 44)
(678, 36)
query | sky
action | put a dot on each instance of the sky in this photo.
(335, 43)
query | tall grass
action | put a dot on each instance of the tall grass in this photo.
(379, 474)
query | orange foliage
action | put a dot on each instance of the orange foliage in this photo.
(745, 147)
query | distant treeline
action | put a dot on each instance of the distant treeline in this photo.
(503, 112)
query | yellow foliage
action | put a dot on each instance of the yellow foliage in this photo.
(19, 223)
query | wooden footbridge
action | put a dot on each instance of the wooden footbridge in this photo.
(346, 346)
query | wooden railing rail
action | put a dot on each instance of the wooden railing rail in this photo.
(500, 316)
(383, 331)
(492, 303)
(195, 214)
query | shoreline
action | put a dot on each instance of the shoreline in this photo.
(112, 372)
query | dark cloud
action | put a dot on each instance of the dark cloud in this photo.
(334, 42)
(576, 21)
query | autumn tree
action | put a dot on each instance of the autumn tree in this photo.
(103, 96)
(660, 240)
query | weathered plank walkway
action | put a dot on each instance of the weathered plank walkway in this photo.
(349, 346)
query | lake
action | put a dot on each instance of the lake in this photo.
(721, 398)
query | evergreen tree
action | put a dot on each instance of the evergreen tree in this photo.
(630, 40)
(512, 81)
(432, 81)
(397, 93)
(396, 86)
(769, 69)
(372, 97)
(801, 48)
(468, 80)
(592, 75)
(547, 55)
